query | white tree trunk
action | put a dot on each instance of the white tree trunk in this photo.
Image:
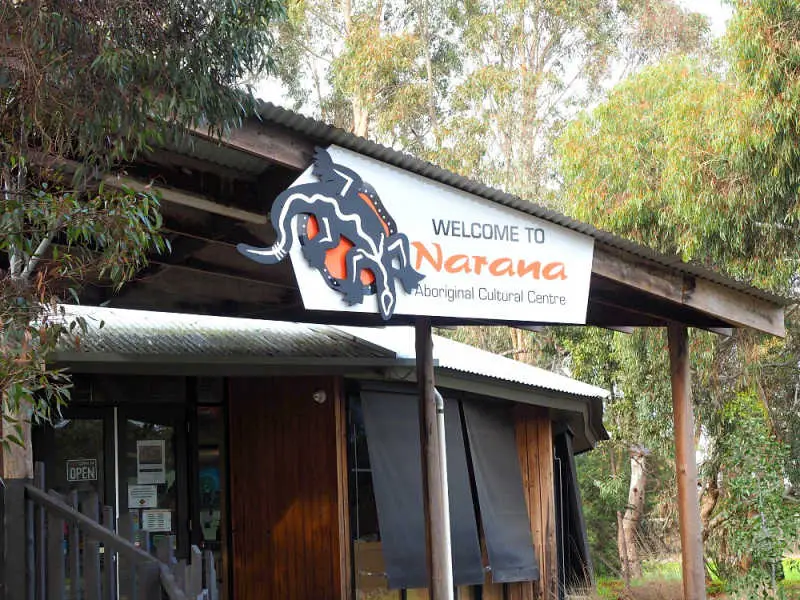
(632, 563)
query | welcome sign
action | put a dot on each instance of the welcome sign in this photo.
(364, 236)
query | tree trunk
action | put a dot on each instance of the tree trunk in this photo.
(360, 118)
(18, 460)
(709, 500)
(623, 550)
(634, 510)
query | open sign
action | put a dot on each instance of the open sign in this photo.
(84, 469)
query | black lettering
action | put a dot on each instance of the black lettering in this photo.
(441, 227)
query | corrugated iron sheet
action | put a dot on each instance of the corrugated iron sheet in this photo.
(219, 154)
(326, 134)
(115, 331)
(134, 332)
(467, 359)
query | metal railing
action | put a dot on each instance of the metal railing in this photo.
(71, 551)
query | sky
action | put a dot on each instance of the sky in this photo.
(717, 11)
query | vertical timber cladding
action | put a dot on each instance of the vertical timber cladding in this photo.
(288, 508)
(534, 432)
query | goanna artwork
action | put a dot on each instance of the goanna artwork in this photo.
(346, 234)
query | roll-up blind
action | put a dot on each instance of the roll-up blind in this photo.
(577, 564)
(392, 426)
(504, 515)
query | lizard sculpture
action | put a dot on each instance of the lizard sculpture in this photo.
(342, 216)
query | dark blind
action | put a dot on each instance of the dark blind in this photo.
(504, 515)
(576, 568)
(392, 425)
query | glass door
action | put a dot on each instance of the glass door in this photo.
(77, 452)
(152, 473)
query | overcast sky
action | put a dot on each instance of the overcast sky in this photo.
(716, 10)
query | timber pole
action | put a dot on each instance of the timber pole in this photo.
(694, 585)
(434, 496)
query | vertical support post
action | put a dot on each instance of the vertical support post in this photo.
(17, 540)
(694, 587)
(434, 499)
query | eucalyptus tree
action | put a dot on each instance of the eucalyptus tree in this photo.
(85, 86)
(690, 160)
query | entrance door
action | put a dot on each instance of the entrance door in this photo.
(153, 486)
(140, 469)
(75, 452)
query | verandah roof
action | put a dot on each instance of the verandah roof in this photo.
(219, 194)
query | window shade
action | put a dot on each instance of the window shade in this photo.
(504, 515)
(577, 564)
(392, 425)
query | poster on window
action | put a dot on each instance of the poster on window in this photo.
(150, 463)
(142, 496)
(157, 520)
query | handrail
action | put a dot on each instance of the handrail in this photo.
(169, 584)
(96, 531)
(99, 533)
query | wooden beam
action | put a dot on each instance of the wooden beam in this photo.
(186, 199)
(732, 306)
(168, 194)
(691, 528)
(434, 478)
(272, 142)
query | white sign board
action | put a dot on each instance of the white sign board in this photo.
(422, 248)
(150, 462)
(157, 520)
(142, 496)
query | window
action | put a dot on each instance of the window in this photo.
(387, 517)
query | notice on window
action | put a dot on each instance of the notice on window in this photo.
(142, 496)
(150, 467)
(157, 520)
(82, 469)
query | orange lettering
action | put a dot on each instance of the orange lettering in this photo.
(554, 271)
(458, 263)
(480, 262)
(422, 252)
(534, 268)
(501, 266)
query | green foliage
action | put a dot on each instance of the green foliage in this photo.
(756, 526)
(701, 163)
(83, 88)
(673, 137)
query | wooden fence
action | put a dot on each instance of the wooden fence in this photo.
(71, 552)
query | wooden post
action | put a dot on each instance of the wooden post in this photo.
(437, 537)
(18, 567)
(694, 586)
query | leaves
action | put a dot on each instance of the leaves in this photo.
(86, 87)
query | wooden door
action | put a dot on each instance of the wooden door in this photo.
(287, 504)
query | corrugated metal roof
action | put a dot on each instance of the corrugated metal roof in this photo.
(328, 134)
(136, 333)
(140, 333)
(218, 154)
(467, 359)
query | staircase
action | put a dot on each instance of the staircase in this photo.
(58, 550)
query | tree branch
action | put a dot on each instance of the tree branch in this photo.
(43, 246)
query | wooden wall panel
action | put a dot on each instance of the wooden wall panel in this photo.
(534, 432)
(287, 499)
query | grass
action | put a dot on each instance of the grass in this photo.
(661, 580)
